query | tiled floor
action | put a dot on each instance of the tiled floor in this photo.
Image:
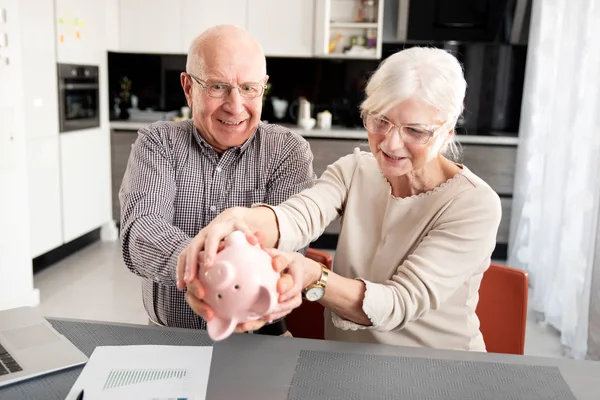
(95, 284)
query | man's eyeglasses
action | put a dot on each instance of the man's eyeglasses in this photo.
(411, 133)
(219, 89)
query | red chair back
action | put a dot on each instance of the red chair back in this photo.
(502, 309)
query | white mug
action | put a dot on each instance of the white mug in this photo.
(324, 120)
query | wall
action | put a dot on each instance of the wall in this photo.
(16, 273)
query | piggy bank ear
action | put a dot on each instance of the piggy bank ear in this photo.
(265, 302)
(219, 328)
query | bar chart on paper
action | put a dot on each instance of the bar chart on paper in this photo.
(145, 372)
(126, 377)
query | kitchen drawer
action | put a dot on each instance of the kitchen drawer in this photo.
(494, 164)
(504, 228)
(327, 151)
(120, 148)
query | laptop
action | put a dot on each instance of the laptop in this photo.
(30, 346)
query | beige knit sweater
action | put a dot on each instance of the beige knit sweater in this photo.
(421, 257)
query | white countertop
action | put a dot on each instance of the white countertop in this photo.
(128, 125)
(338, 132)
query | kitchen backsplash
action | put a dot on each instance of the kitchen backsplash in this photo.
(494, 76)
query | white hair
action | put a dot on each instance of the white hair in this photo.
(430, 75)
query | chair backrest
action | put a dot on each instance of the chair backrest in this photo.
(502, 309)
(307, 321)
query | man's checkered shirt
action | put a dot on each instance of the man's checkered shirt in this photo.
(175, 184)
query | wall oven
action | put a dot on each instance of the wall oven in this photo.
(78, 97)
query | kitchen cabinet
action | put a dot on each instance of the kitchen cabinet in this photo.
(495, 164)
(120, 149)
(40, 105)
(199, 15)
(80, 31)
(45, 210)
(283, 28)
(150, 26)
(111, 23)
(326, 152)
(504, 227)
(39, 84)
(85, 175)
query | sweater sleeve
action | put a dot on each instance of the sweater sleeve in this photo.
(303, 217)
(461, 242)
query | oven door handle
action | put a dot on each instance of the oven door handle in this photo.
(79, 86)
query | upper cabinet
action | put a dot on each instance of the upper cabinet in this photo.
(283, 28)
(39, 69)
(199, 15)
(150, 26)
(80, 31)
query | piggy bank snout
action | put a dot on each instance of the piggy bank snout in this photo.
(220, 276)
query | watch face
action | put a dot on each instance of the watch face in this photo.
(315, 293)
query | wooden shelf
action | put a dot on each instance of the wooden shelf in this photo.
(338, 17)
(354, 25)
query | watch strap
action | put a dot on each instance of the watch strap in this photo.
(322, 282)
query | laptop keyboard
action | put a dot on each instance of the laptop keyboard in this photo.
(7, 363)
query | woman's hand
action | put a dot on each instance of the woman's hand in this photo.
(204, 247)
(304, 270)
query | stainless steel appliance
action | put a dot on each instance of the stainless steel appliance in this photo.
(78, 97)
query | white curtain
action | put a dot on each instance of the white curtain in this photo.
(556, 197)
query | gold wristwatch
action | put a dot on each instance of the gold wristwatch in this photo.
(316, 291)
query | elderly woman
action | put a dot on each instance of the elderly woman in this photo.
(417, 229)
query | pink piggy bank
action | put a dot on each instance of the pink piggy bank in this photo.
(240, 286)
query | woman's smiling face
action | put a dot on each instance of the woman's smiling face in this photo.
(398, 154)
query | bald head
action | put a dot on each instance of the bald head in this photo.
(225, 56)
(221, 42)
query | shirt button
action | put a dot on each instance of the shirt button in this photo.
(218, 169)
(213, 208)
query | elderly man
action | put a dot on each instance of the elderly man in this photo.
(181, 175)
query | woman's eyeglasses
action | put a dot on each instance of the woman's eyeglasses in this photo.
(411, 133)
